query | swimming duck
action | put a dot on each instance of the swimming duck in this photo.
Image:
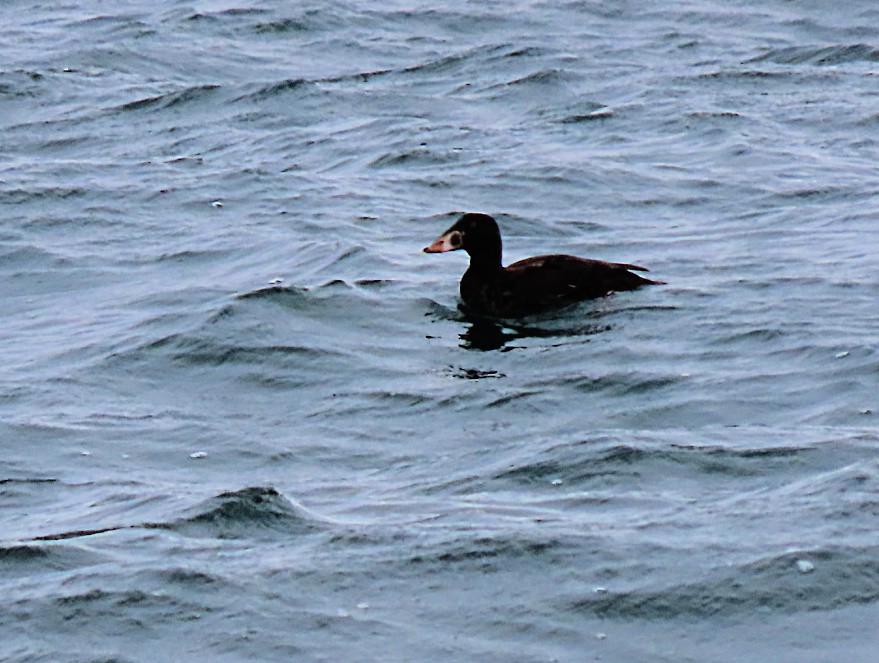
(531, 285)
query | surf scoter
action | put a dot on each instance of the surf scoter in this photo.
(531, 285)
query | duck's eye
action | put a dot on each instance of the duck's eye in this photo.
(456, 239)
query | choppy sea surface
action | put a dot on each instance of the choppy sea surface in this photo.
(242, 417)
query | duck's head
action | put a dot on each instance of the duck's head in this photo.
(475, 233)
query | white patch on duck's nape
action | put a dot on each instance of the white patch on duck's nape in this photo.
(450, 241)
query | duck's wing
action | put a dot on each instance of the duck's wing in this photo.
(554, 280)
(572, 262)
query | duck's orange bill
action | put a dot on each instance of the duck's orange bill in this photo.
(448, 242)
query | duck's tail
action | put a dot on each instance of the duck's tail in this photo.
(637, 279)
(646, 281)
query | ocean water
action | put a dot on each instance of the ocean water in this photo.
(242, 417)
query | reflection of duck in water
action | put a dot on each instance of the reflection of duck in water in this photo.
(487, 334)
(531, 285)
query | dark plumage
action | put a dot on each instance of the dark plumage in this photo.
(531, 285)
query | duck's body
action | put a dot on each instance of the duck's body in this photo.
(544, 282)
(531, 285)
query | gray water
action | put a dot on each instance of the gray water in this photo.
(242, 417)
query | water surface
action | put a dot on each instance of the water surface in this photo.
(244, 419)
